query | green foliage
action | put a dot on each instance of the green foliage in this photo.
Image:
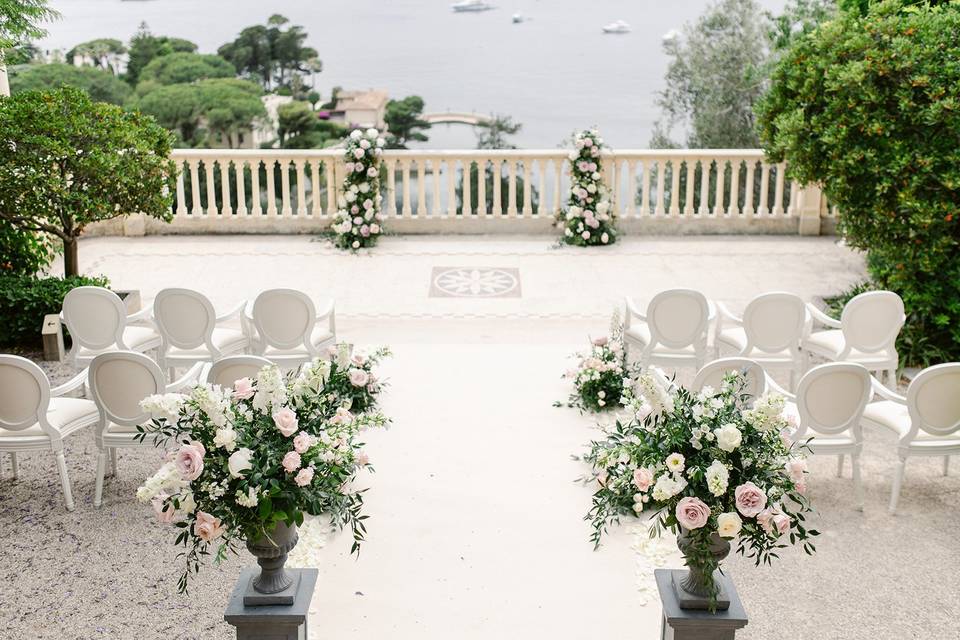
(714, 77)
(207, 112)
(184, 67)
(20, 21)
(299, 128)
(104, 52)
(23, 253)
(271, 55)
(799, 18)
(404, 122)
(25, 300)
(869, 107)
(68, 161)
(144, 47)
(101, 86)
(492, 133)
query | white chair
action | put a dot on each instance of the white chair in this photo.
(98, 323)
(866, 333)
(829, 402)
(118, 382)
(769, 331)
(35, 417)
(927, 419)
(189, 331)
(673, 331)
(228, 370)
(712, 375)
(288, 330)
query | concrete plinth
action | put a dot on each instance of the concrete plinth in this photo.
(272, 622)
(692, 624)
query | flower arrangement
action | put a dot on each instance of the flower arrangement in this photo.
(353, 377)
(242, 461)
(713, 469)
(601, 374)
(359, 221)
(589, 219)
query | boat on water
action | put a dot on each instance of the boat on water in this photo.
(618, 26)
(517, 18)
(471, 5)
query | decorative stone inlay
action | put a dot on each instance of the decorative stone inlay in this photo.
(475, 282)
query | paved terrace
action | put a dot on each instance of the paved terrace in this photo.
(476, 529)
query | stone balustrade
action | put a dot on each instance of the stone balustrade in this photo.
(684, 191)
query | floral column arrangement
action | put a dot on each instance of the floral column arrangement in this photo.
(589, 218)
(358, 223)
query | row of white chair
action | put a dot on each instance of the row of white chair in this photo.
(776, 329)
(36, 417)
(182, 326)
(833, 401)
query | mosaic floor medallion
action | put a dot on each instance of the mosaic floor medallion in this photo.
(475, 282)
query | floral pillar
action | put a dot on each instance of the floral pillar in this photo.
(589, 219)
(358, 223)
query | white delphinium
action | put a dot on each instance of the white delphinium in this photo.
(225, 438)
(164, 405)
(165, 480)
(248, 499)
(271, 392)
(717, 476)
(655, 394)
(767, 413)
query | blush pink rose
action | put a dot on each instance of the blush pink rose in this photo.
(189, 460)
(359, 377)
(243, 389)
(363, 459)
(765, 520)
(165, 513)
(286, 421)
(302, 442)
(781, 522)
(601, 341)
(692, 513)
(207, 527)
(750, 499)
(304, 477)
(291, 461)
(642, 478)
(796, 468)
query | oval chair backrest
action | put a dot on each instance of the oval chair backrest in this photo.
(678, 317)
(712, 373)
(119, 381)
(186, 318)
(24, 393)
(934, 399)
(95, 317)
(774, 321)
(226, 371)
(284, 318)
(871, 321)
(831, 397)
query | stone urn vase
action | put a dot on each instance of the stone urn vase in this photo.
(701, 586)
(273, 585)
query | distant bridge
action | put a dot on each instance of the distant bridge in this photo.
(456, 117)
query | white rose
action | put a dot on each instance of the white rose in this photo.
(364, 187)
(373, 133)
(728, 525)
(225, 439)
(728, 437)
(365, 144)
(381, 142)
(239, 462)
(355, 134)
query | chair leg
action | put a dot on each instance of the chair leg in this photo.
(946, 465)
(793, 379)
(891, 379)
(897, 484)
(857, 484)
(840, 466)
(114, 467)
(804, 361)
(15, 465)
(65, 480)
(172, 372)
(101, 468)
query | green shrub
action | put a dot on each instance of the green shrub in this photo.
(23, 253)
(25, 300)
(869, 107)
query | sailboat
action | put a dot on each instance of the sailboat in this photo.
(471, 5)
(618, 26)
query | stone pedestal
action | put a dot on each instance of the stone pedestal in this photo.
(272, 622)
(692, 624)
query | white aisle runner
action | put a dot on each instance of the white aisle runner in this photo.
(476, 526)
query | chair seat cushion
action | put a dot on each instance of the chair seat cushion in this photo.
(66, 415)
(896, 417)
(830, 344)
(227, 341)
(137, 338)
(641, 333)
(736, 338)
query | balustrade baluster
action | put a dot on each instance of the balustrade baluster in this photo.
(465, 201)
(705, 166)
(225, 206)
(405, 176)
(315, 207)
(778, 194)
(512, 188)
(481, 187)
(329, 173)
(421, 188)
(391, 202)
(435, 175)
(718, 187)
(181, 195)
(748, 189)
(691, 168)
(451, 187)
(628, 210)
(542, 172)
(527, 186)
(256, 205)
(211, 188)
(271, 188)
(558, 197)
(793, 198)
(733, 209)
(239, 166)
(661, 181)
(763, 207)
(298, 165)
(286, 208)
(497, 177)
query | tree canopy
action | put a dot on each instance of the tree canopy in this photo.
(271, 55)
(20, 21)
(100, 85)
(206, 112)
(183, 67)
(103, 52)
(299, 128)
(144, 47)
(68, 161)
(404, 122)
(869, 107)
(492, 133)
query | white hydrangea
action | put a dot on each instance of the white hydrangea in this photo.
(248, 499)
(164, 405)
(668, 486)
